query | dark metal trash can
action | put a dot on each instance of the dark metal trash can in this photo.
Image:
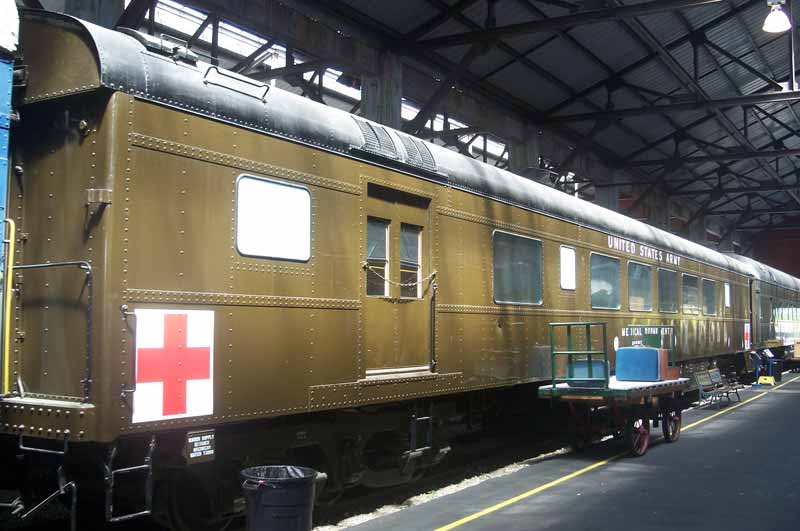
(279, 498)
(777, 369)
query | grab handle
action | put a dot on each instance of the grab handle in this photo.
(8, 277)
(132, 387)
(236, 82)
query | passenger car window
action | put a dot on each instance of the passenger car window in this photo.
(517, 269)
(273, 219)
(727, 295)
(377, 257)
(709, 297)
(567, 267)
(640, 290)
(604, 278)
(691, 303)
(667, 291)
(410, 260)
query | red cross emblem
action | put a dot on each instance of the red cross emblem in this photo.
(173, 364)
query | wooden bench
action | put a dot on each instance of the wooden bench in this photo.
(706, 389)
(723, 386)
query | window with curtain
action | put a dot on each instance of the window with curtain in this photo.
(605, 280)
(410, 260)
(377, 257)
(517, 269)
(667, 291)
(709, 297)
(640, 290)
(691, 302)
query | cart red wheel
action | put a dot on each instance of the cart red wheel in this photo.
(671, 423)
(638, 435)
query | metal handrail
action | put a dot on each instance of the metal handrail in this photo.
(87, 267)
(570, 352)
(126, 390)
(5, 328)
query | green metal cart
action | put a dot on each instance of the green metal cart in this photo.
(598, 402)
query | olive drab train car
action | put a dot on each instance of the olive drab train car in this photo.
(211, 272)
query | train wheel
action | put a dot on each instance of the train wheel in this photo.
(671, 423)
(191, 505)
(638, 435)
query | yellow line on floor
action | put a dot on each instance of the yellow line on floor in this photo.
(736, 406)
(529, 493)
(582, 471)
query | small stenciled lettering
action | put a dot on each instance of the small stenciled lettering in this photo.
(200, 446)
(642, 251)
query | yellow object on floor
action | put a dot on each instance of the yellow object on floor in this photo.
(766, 380)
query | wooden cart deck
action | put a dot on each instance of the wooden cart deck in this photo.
(616, 390)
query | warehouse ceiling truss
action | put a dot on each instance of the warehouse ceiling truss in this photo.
(698, 108)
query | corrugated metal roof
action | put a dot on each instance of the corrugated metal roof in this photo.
(575, 69)
(536, 90)
(597, 37)
(585, 59)
(403, 16)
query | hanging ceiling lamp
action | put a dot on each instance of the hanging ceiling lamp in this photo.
(776, 21)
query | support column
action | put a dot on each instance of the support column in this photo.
(697, 231)
(607, 197)
(660, 214)
(523, 157)
(101, 12)
(381, 96)
(726, 243)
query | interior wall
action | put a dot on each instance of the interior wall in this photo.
(780, 249)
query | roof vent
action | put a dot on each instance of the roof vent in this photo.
(417, 153)
(377, 139)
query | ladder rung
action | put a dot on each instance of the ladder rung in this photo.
(129, 469)
(130, 516)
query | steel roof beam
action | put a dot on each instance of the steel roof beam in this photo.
(429, 107)
(250, 61)
(734, 155)
(439, 19)
(133, 16)
(772, 226)
(738, 190)
(723, 103)
(294, 70)
(565, 35)
(567, 21)
(725, 53)
(651, 56)
(446, 133)
(756, 211)
(522, 58)
(560, 3)
(692, 85)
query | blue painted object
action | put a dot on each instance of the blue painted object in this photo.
(580, 370)
(638, 364)
(6, 82)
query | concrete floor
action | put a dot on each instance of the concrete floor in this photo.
(739, 470)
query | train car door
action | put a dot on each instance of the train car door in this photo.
(398, 287)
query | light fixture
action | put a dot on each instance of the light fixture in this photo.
(776, 21)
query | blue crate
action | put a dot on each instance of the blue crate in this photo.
(638, 364)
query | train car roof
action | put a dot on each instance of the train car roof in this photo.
(767, 273)
(151, 69)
